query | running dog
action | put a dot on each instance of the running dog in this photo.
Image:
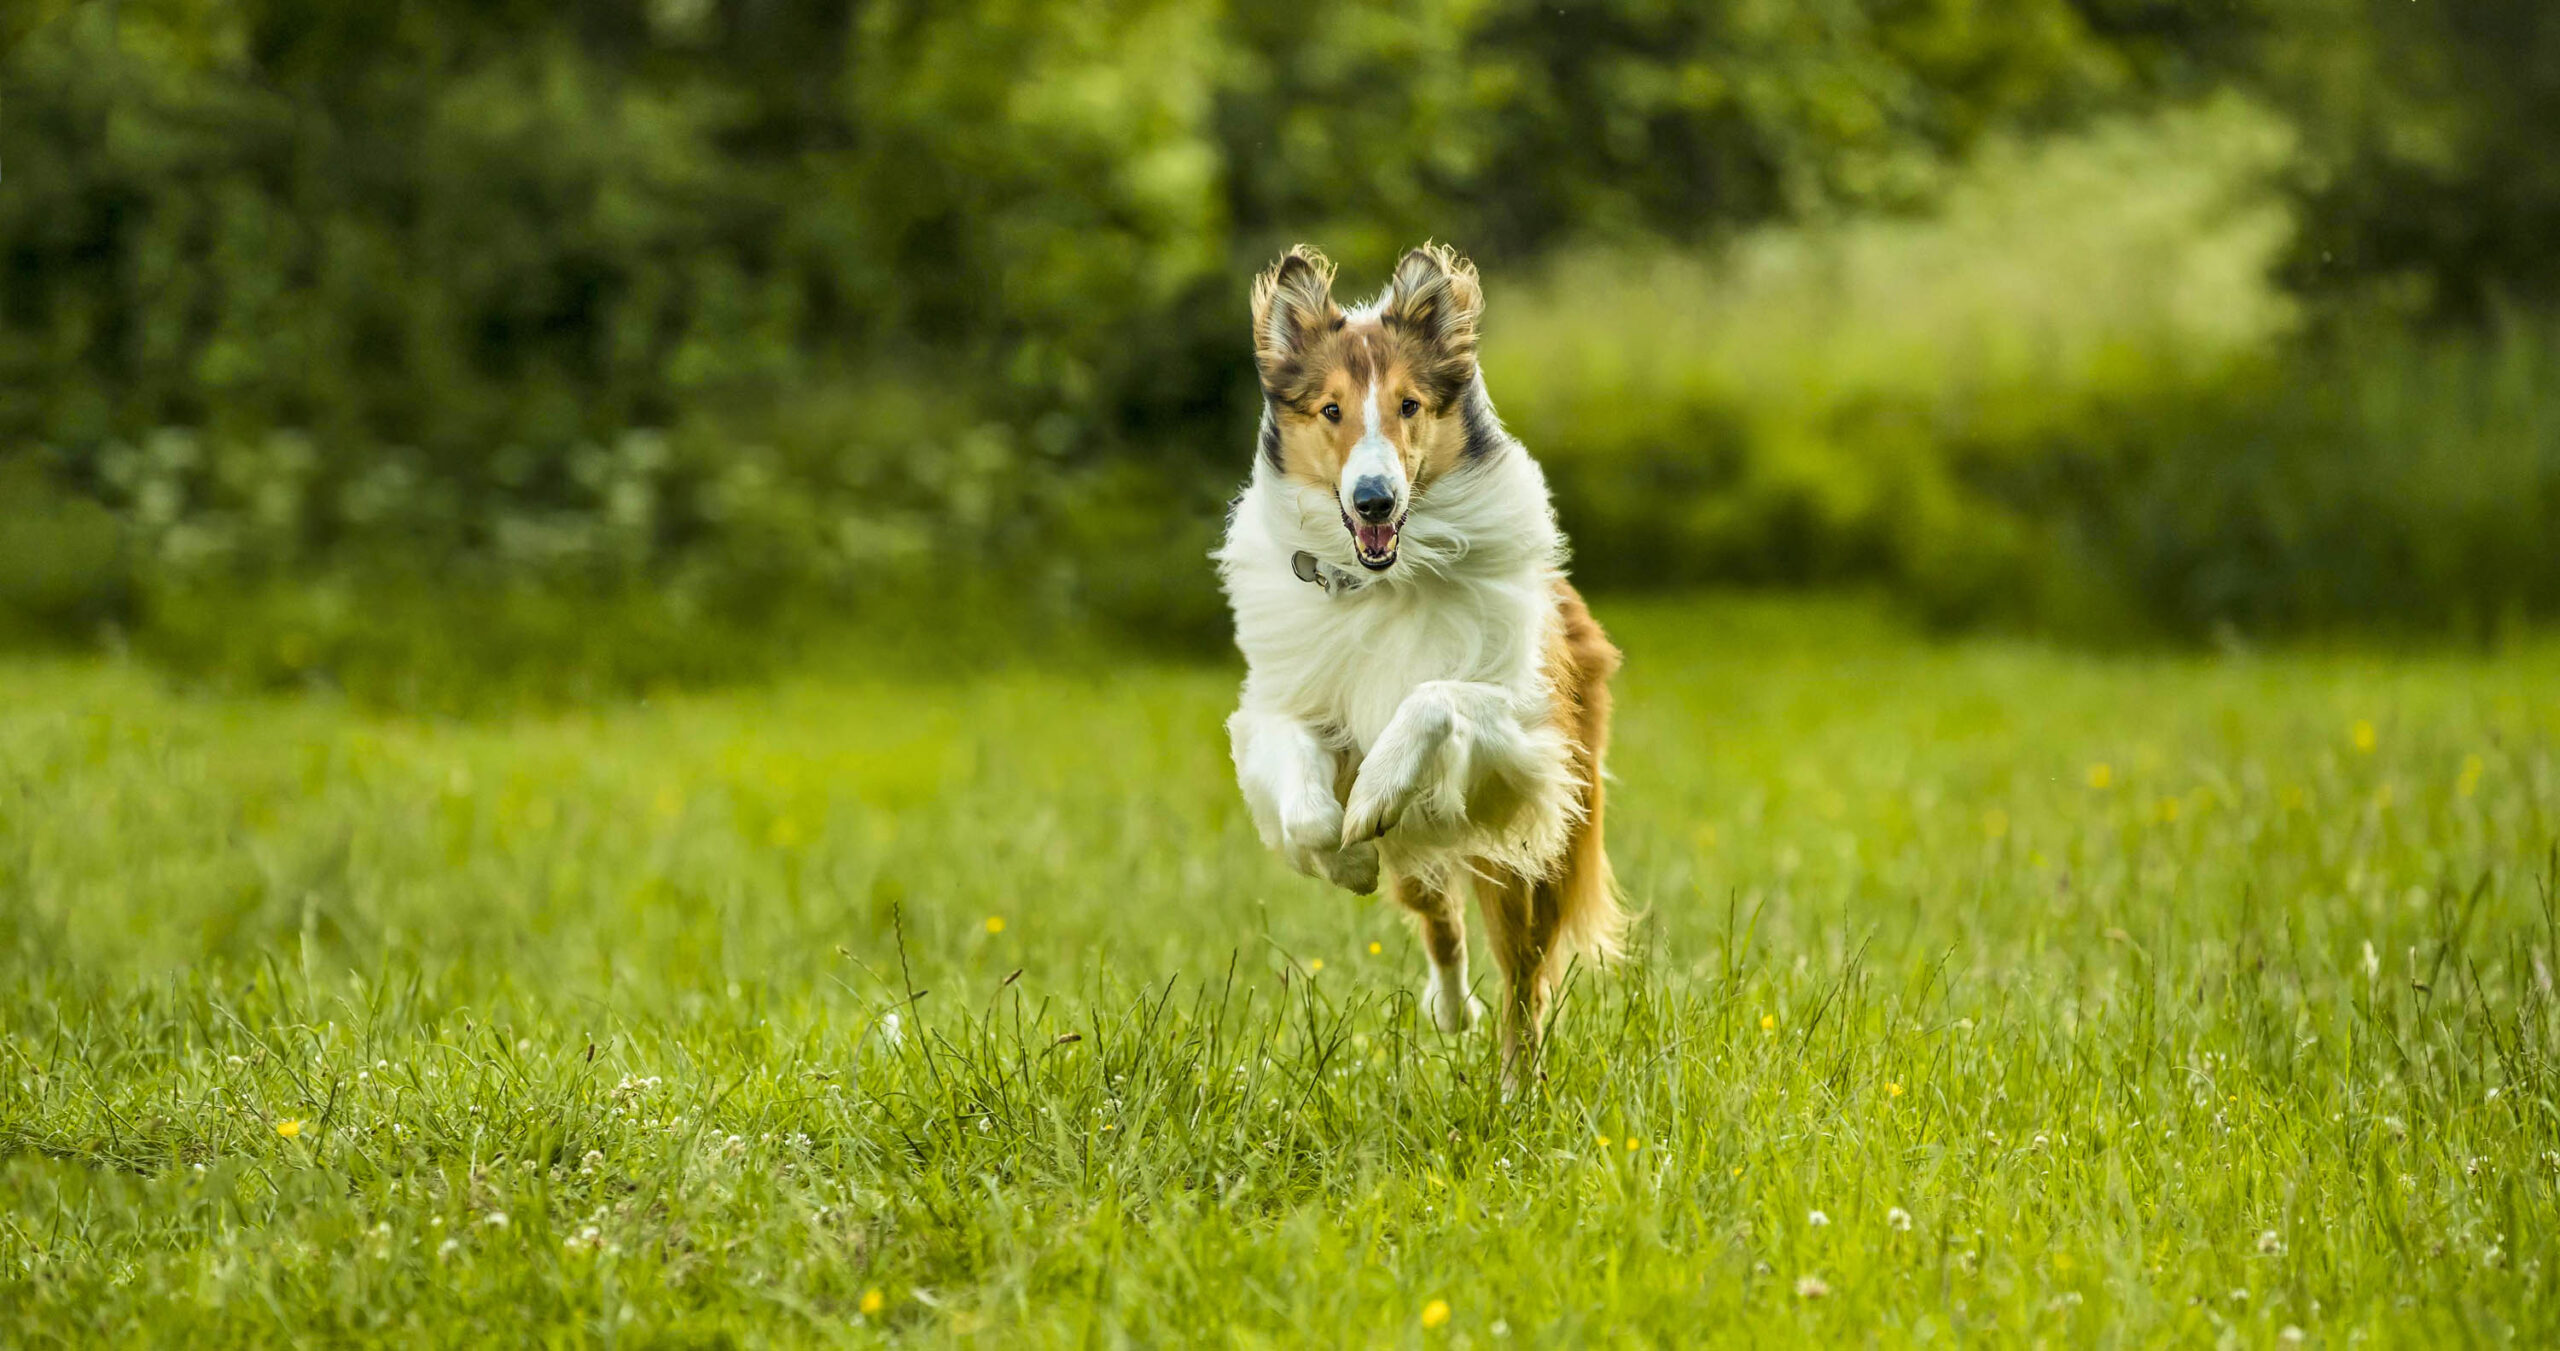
(1426, 699)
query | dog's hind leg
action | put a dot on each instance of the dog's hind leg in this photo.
(1443, 926)
(1521, 921)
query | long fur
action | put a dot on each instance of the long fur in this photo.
(1469, 670)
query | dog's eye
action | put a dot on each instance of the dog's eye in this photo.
(1333, 412)
(1412, 406)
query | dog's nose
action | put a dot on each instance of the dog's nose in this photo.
(1374, 499)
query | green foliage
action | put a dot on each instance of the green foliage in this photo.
(2168, 1001)
(705, 311)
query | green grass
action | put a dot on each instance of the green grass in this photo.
(2249, 1029)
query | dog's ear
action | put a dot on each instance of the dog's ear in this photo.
(1292, 307)
(1435, 297)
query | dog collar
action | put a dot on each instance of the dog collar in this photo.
(1316, 572)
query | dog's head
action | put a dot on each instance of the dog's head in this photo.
(1368, 403)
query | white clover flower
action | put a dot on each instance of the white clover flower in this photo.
(496, 1219)
(1898, 1220)
(1817, 1219)
(2271, 1243)
(1812, 1287)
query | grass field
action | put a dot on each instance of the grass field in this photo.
(1984, 992)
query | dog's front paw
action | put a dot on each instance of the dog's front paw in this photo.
(1354, 869)
(1311, 839)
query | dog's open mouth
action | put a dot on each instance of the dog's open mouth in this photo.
(1376, 543)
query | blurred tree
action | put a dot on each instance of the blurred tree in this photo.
(2429, 178)
(2437, 135)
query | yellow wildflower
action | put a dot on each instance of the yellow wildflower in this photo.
(2362, 735)
(1376, 948)
(995, 924)
(872, 1300)
(1768, 1022)
(1893, 1090)
(1314, 965)
(2101, 774)
(289, 1127)
(1435, 1313)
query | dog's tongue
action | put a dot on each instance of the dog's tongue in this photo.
(1377, 541)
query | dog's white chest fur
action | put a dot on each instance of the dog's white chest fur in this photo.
(1470, 598)
(1346, 662)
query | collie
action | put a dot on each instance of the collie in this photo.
(1426, 700)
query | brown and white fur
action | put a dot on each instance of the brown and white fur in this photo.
(1426, 700)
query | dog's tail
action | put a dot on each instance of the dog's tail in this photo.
(1589, 920)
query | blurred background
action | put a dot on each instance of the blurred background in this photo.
(426, 348)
